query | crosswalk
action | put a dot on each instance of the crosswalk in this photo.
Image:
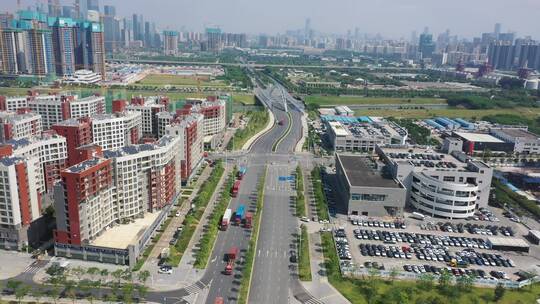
(313, 301)
(195, 288)
(35, 267)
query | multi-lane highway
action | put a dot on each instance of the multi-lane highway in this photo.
(272, 271)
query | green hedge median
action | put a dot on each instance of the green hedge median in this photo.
(320, 199)
(300, 198)
(304, 264)
(194, 216)
(207, 241)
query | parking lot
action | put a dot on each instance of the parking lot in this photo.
(410, 245)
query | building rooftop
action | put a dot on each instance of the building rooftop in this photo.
(11, 160)
(85, 165)
(122, 236)
(134, 149)
(14, 116)
(371, 127)
(507, 241)
(419, 157)
(519, 133)
(479, 137)
(360, 173)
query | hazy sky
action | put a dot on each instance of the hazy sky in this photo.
(390, 18)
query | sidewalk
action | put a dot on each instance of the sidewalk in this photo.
(300, 143)
(319, 286)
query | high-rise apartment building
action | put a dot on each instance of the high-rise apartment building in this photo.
(170, 42)
(501, 55)
(20, 124)
(116, 186)
(191, 129)
(20, 200)
(111, 28)
(78, 132)
(149, 107)
(64, 31)
(426, 45)
(92, 5)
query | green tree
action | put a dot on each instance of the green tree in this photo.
(21, 292)
(142, 290)
(127, 293)
(70, 290)
(117, 274)
(426, 281)
(445, 279)
(37, 293)
(54, 292)
(394, 272)
(465, 283)
(499, 292)
(127, 275)
(78, 272)
(12, 285)
(92, 271)
(143, 276)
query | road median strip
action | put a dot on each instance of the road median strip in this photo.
(300, 197)
(320, 199)
(247, 273)
(282, 137)
(304, 263)
(193, 217)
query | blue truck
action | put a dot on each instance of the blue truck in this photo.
(239, 215)
(242, 172)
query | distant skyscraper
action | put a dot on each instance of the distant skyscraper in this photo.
(307, 29)
(426, 45)
(213, 38)
(110, 28)
(69, 12)
(64, 42)
(135, 29)
(54, 8)
(92, 5)
(170, 42)
(501, 55)
(414, 37)
(497, 30)
(147, 35)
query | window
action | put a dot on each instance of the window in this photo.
(449, 179)
(368, 197)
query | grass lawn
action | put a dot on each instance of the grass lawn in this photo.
(532, 113)
(376, 290)
(256, 122)
(355, 100)
(304, 265)
(246, 99)
(178, 80)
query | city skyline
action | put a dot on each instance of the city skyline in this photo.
(406, 16)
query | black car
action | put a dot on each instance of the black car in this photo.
(293, 258)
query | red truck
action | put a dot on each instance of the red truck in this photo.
(226, 219)
(248, 220)
(231, 257)
(235, 188)
(219, 300)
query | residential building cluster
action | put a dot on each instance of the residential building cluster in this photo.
(42, 45)
(98, 170)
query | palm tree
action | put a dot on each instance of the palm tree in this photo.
(127, 293)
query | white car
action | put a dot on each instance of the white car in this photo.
(304, 219)
(177, 213)
(165, 270)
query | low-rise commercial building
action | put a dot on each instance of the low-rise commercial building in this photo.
(438, 184)
(524, 142)
(366, 190)
(362, 134)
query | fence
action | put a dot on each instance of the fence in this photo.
(356, 272)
